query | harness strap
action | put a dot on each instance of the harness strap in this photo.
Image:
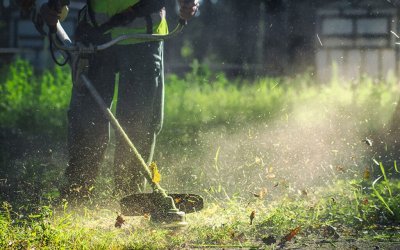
(91, 14)
(121, 19)
(149, 24)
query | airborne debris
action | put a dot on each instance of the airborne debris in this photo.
(252, 215)
(290, 236)
(394, 34)
(319, 40)
(271, 176)
(367, 174)
(177, 200)
(119, 221)
(156, 176)
(368, 141)
(261, 194)
(269, 173)
(340, 168)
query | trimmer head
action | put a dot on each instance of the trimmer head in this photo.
(154, 205)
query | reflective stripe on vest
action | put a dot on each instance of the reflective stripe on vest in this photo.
(138, 23)
(160, 28)
(104, 9)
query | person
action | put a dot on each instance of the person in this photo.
(139, 67)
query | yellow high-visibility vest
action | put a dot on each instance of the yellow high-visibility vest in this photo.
(105, 9)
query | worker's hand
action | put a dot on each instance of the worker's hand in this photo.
(49, 15)
(188, 8)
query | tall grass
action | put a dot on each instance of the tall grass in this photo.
(196, 103)
(38, 102)
(199, 102)
(34, 103)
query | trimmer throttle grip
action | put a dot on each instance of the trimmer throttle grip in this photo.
(57, 6)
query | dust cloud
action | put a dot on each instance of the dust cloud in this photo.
(313, 145)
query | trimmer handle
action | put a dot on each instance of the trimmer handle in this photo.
(57, 6)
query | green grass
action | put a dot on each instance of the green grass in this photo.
(37, 103)
(196, 103)
(227, 140)
(34, 103)
(344, 210)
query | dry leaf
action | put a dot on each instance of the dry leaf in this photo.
(252, 215)
(303, 192)
(269, 173)
(119, 221)
(290, 235)
(156, 176)
(271, 176)
(177, 200)
(340, 169)
(261, 194)
(367, 174)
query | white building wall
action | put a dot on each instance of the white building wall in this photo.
(359, 42)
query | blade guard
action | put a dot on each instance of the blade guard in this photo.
(149, 203)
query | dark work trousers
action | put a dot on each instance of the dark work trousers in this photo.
(139, 111)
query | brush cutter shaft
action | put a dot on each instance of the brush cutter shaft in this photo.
(114, 122)
(63, 36)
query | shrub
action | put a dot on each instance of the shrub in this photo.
(34, 103)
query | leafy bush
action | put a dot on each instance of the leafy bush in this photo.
(34, 103)
(37, 103)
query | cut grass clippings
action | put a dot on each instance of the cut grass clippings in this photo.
(330, 214)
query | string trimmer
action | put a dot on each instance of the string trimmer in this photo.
(161, 206)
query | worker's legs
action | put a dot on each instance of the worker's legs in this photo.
(139, 110)
(87, 127)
